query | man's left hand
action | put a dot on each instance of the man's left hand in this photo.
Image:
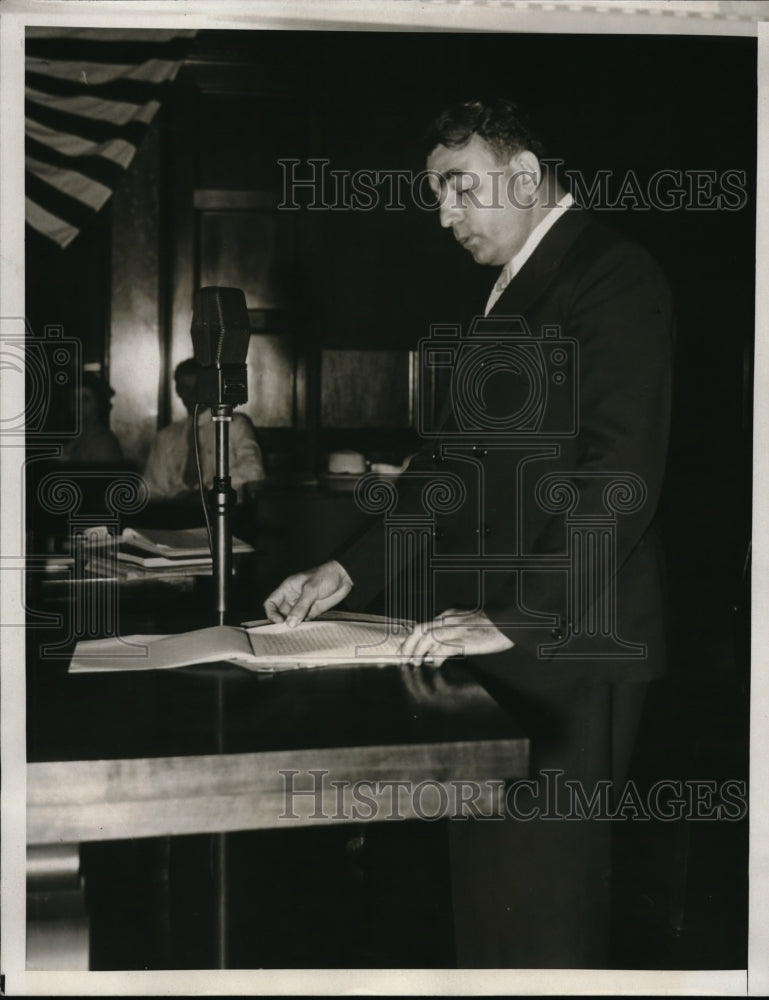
(454, 633)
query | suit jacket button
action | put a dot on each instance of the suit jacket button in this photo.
(437, 534)
(479, 450)
(437, 457)
(557, 633)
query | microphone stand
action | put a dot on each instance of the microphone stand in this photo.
(220, 334)
(222, 499)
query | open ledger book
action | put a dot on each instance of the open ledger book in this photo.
(261, 647)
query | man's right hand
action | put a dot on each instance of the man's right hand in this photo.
(307, 595)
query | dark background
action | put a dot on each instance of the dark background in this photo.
(358, 280)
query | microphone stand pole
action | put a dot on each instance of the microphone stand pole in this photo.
(221, 501)
(220, 335)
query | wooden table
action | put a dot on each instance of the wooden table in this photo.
(140, 755)
(213, 749)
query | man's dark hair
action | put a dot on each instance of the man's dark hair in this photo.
(499, 122)
(187, 367)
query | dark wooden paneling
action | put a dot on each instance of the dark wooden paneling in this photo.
(241, 137)
(366, 389)
(136, 335)
(70, 288)
(304, 284)
(271, 364)
(252, 250)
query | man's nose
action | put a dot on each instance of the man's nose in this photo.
(449, 210)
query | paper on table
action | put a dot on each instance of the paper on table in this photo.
(321, 642)
(165, 569)
(161, 652)
(266, 647)
(344, 616)
(175, 542)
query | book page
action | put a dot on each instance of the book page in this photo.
(318, 642)
(161, 652)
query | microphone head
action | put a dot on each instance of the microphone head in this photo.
(220, 328)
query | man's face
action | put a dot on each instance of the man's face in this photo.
(484, 201)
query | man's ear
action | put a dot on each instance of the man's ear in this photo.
(527, 172)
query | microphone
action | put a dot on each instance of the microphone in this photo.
(220, 334)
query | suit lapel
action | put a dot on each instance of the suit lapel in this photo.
(530, 282)
(540, 269)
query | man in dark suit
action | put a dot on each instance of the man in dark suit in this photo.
(543, 568)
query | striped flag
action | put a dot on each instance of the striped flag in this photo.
(90, 96)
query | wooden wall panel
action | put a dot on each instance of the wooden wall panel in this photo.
(366, 389)
(135, 361)
(252, 250)
(271, 380)
(329, 365)
(242, 136)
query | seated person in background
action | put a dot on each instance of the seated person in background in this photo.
(171, 472)
(95, 444)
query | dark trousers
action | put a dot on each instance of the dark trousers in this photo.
(535, 893)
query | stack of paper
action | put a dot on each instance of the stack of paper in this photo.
(157, 547)
(182, 551)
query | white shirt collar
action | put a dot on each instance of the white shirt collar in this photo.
(536, 236)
